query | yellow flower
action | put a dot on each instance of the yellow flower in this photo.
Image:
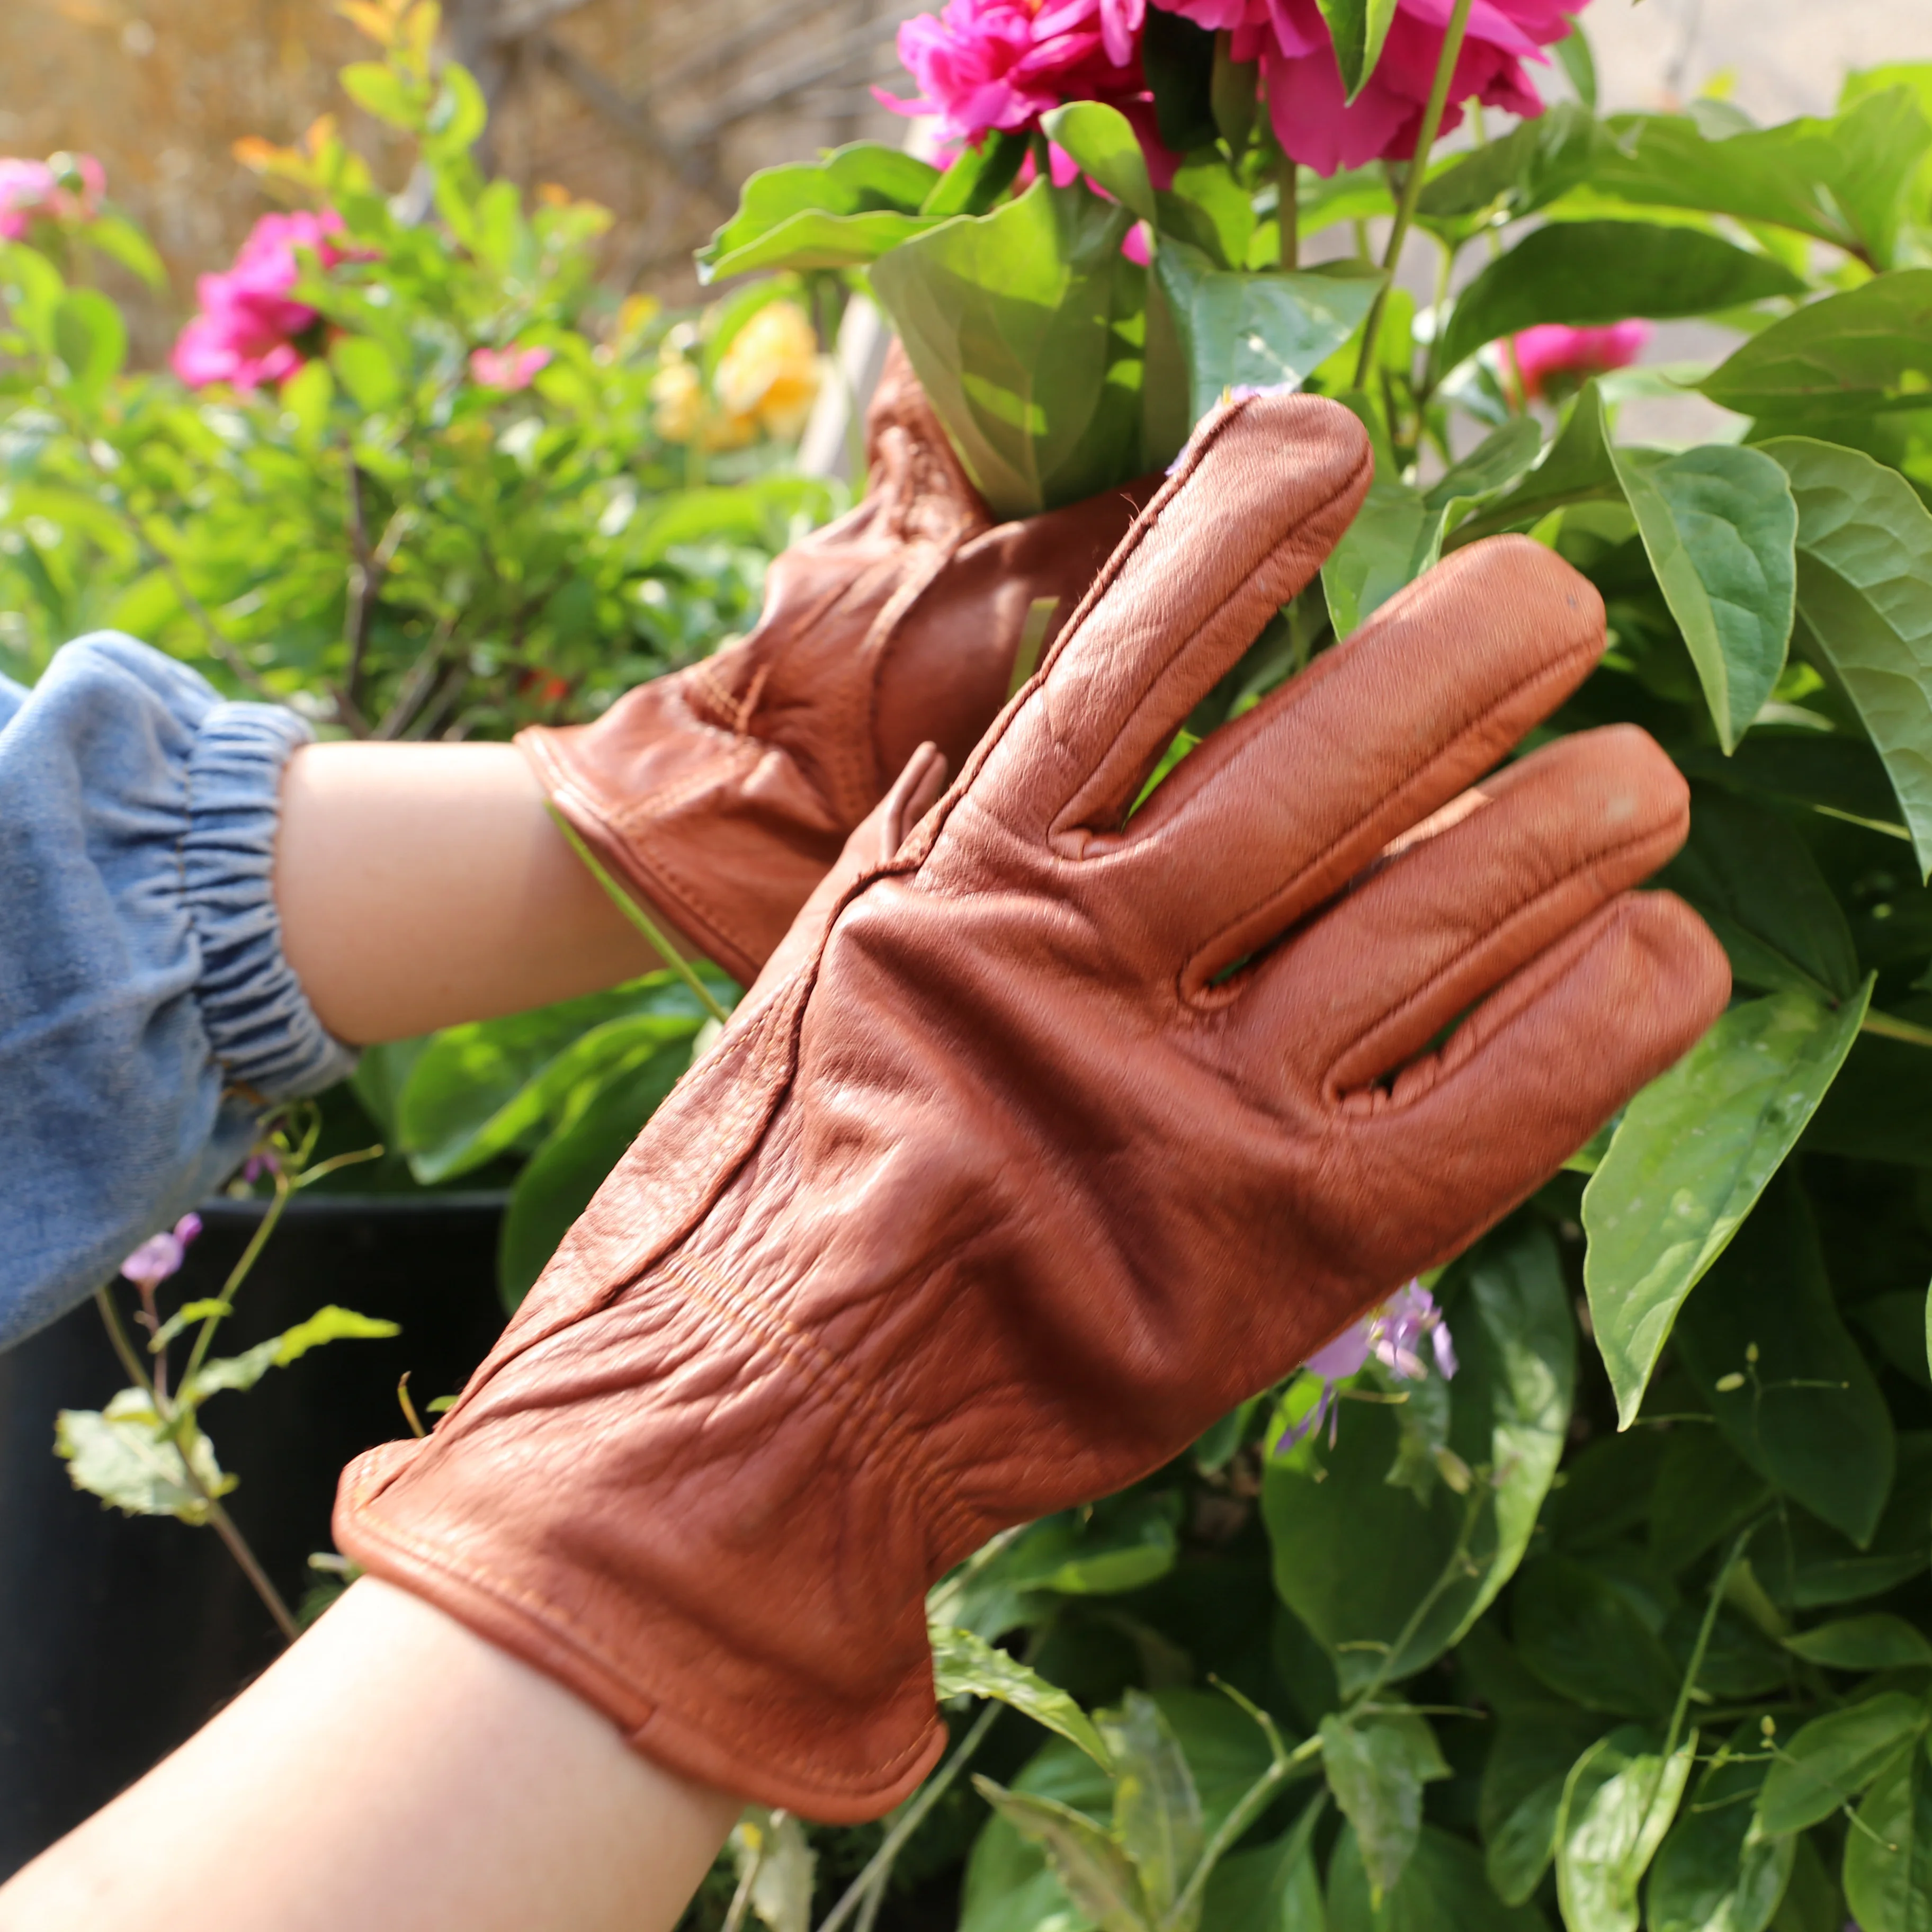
(677, 402)
(771, 370)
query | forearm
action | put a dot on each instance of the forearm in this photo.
(422, 885)
(395, 1773)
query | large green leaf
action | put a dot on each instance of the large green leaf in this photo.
(1536, 161)
(1523, 1776)
(1358, 28)
(964, 1665)
(1829, 1761)
(327, 1324)
(1395, 537)
(1090, 1863)
(1687, 1162)
(1102, 140)
(1864, 604)
(1025, 327)
(1274, 1887)
(1576, 468)
(1707, 1878)
(1586, 1639)
(1840, 179)
(1889, 1853)
(1592, 272)
(1444, 1889)
(1259, 331)
(1770, 1353)
(1704, 1491)
(1376, 1767)
(813, 239)
(1803, 1565)
(1878, 1641)
(861, 190)
(1863, 347)
(1509, 1407)
(1618, 1803)
(126, 1456)
(1156, 1810)
(1718, 524)
(1758, 887)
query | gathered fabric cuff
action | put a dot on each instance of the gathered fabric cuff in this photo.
(263, 1031)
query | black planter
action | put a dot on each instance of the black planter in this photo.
(119, 1635)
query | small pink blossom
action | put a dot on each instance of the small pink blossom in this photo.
(506, 368)
(67, 188)
(160, 1256)
(249, 328)
(1392, 1332)
(1553, 349)
(1313, 120)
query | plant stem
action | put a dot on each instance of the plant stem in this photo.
(1704, 1630)
(638, 917)
(1458, 1558)
(741, 1899)
(259, 1240)
(1887, 1027)
(1287, 210)
(1253, 1801)
(1411, 186)
(124, 1345)
(929, 1794)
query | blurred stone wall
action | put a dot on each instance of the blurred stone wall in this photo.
(656, 108)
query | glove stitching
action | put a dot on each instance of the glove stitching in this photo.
(1603, 855)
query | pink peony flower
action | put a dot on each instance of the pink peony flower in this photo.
(68, 187)
(1392, 1333)
(1315, 124)
(1554, 350)
(983, 65)
(160, 1256)
(248, 330)
(506, 368)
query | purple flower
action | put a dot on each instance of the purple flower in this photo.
(160, 1256)
(259, 1164)
(1392, 1332)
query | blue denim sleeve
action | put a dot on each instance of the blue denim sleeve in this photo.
(147, 1015)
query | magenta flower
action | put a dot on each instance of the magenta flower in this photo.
(160, 1256)
(1393, 1334)
(983, 65)
(66, 188)
(506, 368)
(1318, 127)
(250, 330)
(1569, 356)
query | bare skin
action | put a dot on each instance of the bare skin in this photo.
(393, 1772)
(423, 885)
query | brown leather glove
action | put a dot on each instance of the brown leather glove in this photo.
(720, 794)
(1050, 1137)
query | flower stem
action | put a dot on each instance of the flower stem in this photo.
(1411, 186)
(638, 917)
(259, 1240)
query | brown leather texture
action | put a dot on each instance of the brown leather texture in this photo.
(1054, 1131)
(721, 794)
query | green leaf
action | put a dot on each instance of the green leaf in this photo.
(1104, 145)
(1812, 1902)
(1443, 1890)
(1705, 1491)
(1897, 1323)
(459, 113)
(1832, 1758)
(1889, 1853)
(114, 236)
(1790, 1387)
(1208, 207)
(1707, 1878)
(1617, 1806)
(1718, 524)
(1879, 1642)
(1579, 63)
(1586, 1638)
(1760, 890)
(1509, 1407)
(1803, 1565)
(1157, 1809)
(1593, 272)
(1358, 28)
(327, 1324)
(1692, 1154)
(1523, 1777)
(1260, 330)
(964, 1665)
(1025, 326)
(1865, 347)
(1089, 1864)
(123, 1455)
(1395, 537)
(556, 1185)
(382, 92)
(1839, 179)
(1527, 169)
(1865, 605)
(1123, 1544)
(91, 340)
(832, 207)
(1376, 1767)
(368, 371)
(978, 177)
